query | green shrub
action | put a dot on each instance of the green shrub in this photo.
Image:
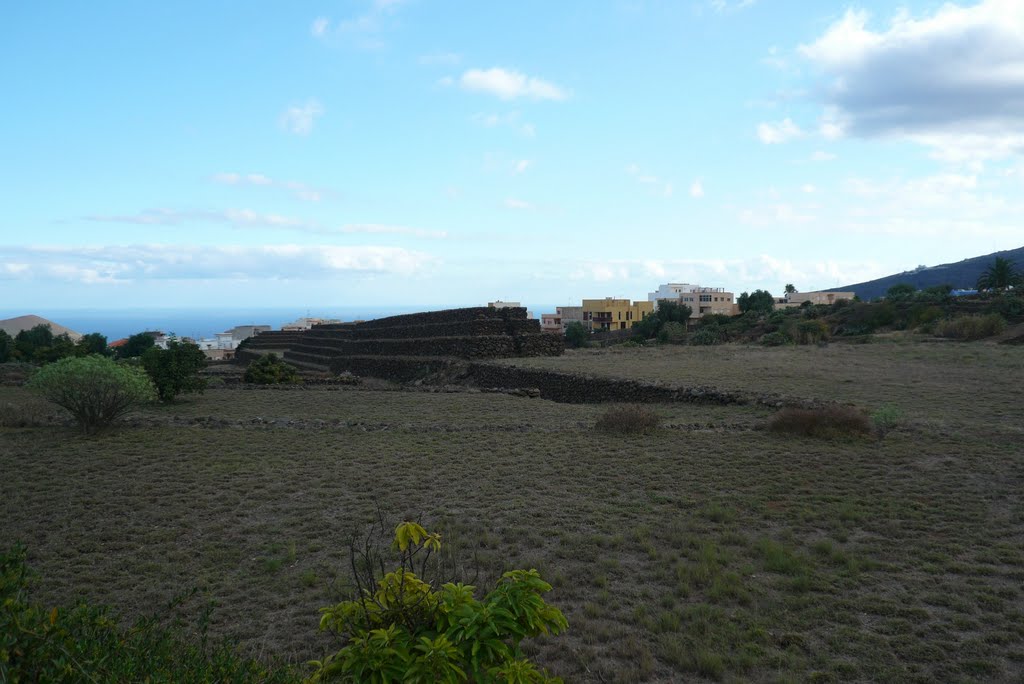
(96, 390)
(968, 328)
(1009, 304)
(270, 370)
(408, 626)
(672, 332)
(85, 643)
(810, 331)
(176, 369)
(886, 418)
(923, 317)
(829, 422)
(576, 335)
(775, 339)
(708, 335)
(629, 420)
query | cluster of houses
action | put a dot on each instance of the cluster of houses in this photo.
(609, 313)
(222, 345)
(612, 313)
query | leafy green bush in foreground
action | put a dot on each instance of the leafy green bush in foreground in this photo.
(85, 644)
(96, 390)
(401, 628)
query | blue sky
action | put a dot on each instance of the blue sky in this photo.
(434, 153)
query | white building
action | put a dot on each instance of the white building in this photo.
(701, 300)
(306, 323)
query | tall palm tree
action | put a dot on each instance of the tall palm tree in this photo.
(999, 275)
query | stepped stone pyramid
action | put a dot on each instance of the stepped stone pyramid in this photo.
(411, 345)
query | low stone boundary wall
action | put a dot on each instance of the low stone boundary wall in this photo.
(580, 389)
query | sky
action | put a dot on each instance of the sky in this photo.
(433, 153)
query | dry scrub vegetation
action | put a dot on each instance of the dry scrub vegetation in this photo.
(705, 548)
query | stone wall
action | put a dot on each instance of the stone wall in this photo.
(482, 326)
(471, 333)
(580, 389)
(445, 316)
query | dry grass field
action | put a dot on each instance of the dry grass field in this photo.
(708, 549)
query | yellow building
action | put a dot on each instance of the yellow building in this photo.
(614, 314)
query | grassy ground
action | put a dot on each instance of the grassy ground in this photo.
(706, 549)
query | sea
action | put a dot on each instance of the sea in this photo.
(199, 323)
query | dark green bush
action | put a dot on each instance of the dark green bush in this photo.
(576, 335)
(810, 331)
(96, 390)
(270, 370)
(176, 369)
(672, 333)
(708, 335)
(830, 422)
(967, 328)
(85, 644)
(775, 339)
(628, 420)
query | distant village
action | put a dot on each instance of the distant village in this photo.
(595, 315)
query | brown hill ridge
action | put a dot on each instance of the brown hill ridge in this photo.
(13, 326)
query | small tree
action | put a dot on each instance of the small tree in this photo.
(270, 370)
(790, 289)
(6, 347)
(576, 334)
(93, 343)
(136, 345)
(999, 276)
(96, 390)
(406, 626)
(759, 302)
(900, 292)
(176, 369)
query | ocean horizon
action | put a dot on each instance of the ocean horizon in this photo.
(199, 323)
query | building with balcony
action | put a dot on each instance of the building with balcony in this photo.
(701, 300)
(560, 320)
(800, 298)
(614, 314)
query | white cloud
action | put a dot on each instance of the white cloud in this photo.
(508, 84)
(380, 229)
(247, 218)
(697, 189)
(513, 203)
(658, 185)
(725, 6)
(511, 120)
(775, 133)
(297, 189)
(319, 27)
(822, 156)
(808, 188)
(521, 166)
(952, 80)
(440, 58)
(133, 263)
(299, 119)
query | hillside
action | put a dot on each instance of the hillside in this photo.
(962, 274)
(13, 326)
